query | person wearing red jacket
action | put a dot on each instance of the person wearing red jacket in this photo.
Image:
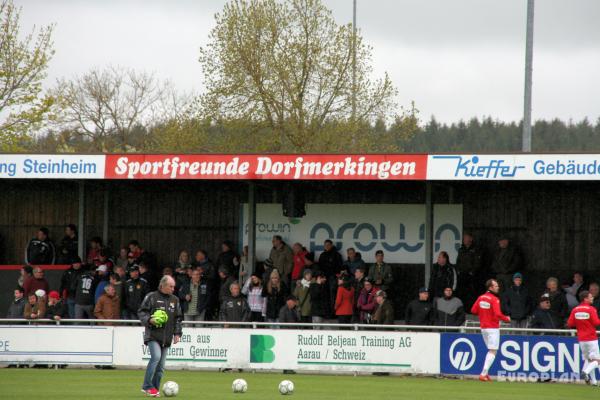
(487, 307)
(344, 301)
(585, 319)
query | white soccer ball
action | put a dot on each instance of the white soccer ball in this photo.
(286, 387)
(170, 389)
(239, 386)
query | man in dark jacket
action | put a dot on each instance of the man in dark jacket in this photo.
(544, 317)
(40, 250)
(319, 298)
(68, 285)
(558, 300)
(419, 311)
(17, 306)
(226, 281)
(516, 302)
(228, 258)
(159, 336)
(385, 311)
(380, 273)
(448, 310)
(331, 264)
(67, 249)
(57, 309)
(468, 267)
(443, 275)
(358, 283)
(354, 261)
(136, 289)
(85, 293)
(195, 296)
(507, 261)
(289, 312)
(234, 308)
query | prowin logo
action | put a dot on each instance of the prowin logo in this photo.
(462, 354)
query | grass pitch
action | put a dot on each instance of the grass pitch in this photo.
(125, 384)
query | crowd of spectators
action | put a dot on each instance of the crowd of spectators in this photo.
(291, 285)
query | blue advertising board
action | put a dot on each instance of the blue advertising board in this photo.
(519, 357)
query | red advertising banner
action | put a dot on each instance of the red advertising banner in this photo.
(280, 166)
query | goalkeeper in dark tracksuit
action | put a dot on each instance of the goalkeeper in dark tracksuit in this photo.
(161, 316)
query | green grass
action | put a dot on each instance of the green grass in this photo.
(125, 384)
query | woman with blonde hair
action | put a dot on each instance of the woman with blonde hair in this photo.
(275, 291)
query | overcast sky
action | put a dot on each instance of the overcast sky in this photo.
(454, 58)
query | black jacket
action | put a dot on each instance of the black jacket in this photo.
(506, 261)
(330, 262)
(419, 313)
(59, 309)
(168, 303)
(516, 303)
(289, 316)
(448, 312)
(203, 292)
(224, 292)
(559, 304)
(85, 291)
(442, 277)
(234, 309)
(319, 299)
(135, 291)
(67, 253)
(226, 260)
(40, 252)
(546, 319)
(16, 308)
(469, 260)
(68, 281)
(275, 300)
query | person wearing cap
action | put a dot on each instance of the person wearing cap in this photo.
(366, 303)
(419, 311)
(85, 294)
(67, 253)
(136, 289)
(36, 305)
(37, 281)
(448, 310)
(283, 258)
(558, 300)
(302, 293)
(384, 315)
(344, 300)
(108, 305)
(517, 303)
(507, 260)
(40, 250)
(319, 298)
(543, 317)
(289, 312)
(258, 304)
(102, 276)
(68, 284)
(57, 309)
(17, 306)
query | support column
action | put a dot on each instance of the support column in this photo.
(428, 230)
(251, 226)
(81, 221)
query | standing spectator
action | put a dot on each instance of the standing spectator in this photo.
(330, 262)
(516, 302)
(319, 298)
(122, 260)
(384, 315)
(136, 249)
(234, 308)
(420, 311)
(302, 294)
(85, 295)
(572, 291)
(149, 275)
(448, 310)
(109, 304)
(37, 281)
(102, 276)
(26, 273)
(468, 267)
(443, 275)
(289, 312)
(121, 272)
(245, 267)
(507, 261)
(68, 246)
(558, 301)
(275, 292)
(283, 258)
(367, 303)
(267, 270)
(104, 259)
(195, 297)
(258, 304)
(201, 260)
(595, 291)
(136, 289)
(380, 273)
(226, 281)
(17, 306)
(93, 253)
(36, 306)
(353, 261)
(344, 301)
(544, 317)
(183, 262)
(119, 285)
(68, 285)
(358, 283)
(57, 309)
(300, 262)
(229, 259)
(40, 250)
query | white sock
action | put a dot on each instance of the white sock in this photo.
(590, 371)
(489, 360)
(586, 363)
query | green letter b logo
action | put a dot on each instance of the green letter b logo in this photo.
(260, 348)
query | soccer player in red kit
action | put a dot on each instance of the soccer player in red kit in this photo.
(585, 319)
(487, 307)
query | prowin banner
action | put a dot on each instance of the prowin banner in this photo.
(520, 358)
(397, 229)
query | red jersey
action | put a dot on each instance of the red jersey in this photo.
(487, 307)
(585, 319)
